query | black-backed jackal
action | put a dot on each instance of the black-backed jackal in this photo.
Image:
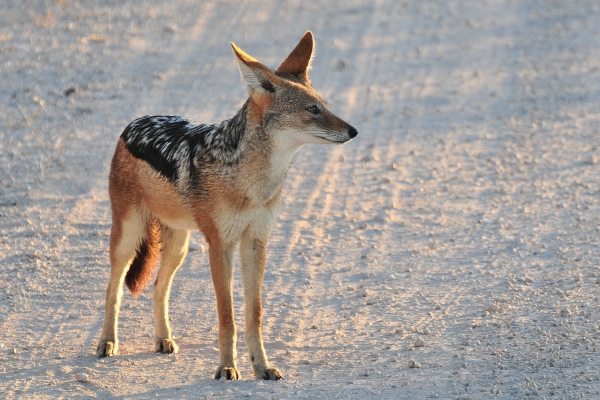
(170, 175)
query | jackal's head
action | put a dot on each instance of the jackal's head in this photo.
(284, 102)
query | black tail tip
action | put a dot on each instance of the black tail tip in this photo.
(352, 132)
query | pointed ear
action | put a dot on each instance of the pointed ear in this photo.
(258, 77)
(298, 62)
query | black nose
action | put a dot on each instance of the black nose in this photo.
(352, 132)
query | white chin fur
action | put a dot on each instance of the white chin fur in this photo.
(294, 137)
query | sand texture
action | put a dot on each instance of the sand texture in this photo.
(450, 251)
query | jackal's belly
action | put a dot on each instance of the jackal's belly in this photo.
(171, 212)
(176, 216)
(181, 223)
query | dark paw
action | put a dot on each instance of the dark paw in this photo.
(107, 349)
(167, 346)
(229, 373)
(270, 374)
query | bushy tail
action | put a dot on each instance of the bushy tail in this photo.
(143, 265)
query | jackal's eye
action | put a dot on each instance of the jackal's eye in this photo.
(314, 110)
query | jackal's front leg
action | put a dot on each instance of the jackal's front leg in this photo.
(253, 258)
(221, 269)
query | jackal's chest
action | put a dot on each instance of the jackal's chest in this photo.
(259, 181)
(265, 178)
(263, 192)
(253, 195)
(252, 205)
(232, 222)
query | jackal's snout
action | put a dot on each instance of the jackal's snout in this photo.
(341, 131)
(350, 131)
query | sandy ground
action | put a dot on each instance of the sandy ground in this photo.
(459, 230)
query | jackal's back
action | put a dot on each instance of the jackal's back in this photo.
(178, 148)
(167, 143)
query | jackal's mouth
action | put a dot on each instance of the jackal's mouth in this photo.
(334, 138)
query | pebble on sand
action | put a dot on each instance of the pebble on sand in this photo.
(194, 246)
(81, 377)
(413, 364)
(493, 309)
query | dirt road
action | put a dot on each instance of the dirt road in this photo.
(459, 231)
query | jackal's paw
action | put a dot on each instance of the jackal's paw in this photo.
(229, 373)
(166, 346)
(268, 374)
(107, 348)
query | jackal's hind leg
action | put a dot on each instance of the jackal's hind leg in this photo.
(125, 237)
(175, 247)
